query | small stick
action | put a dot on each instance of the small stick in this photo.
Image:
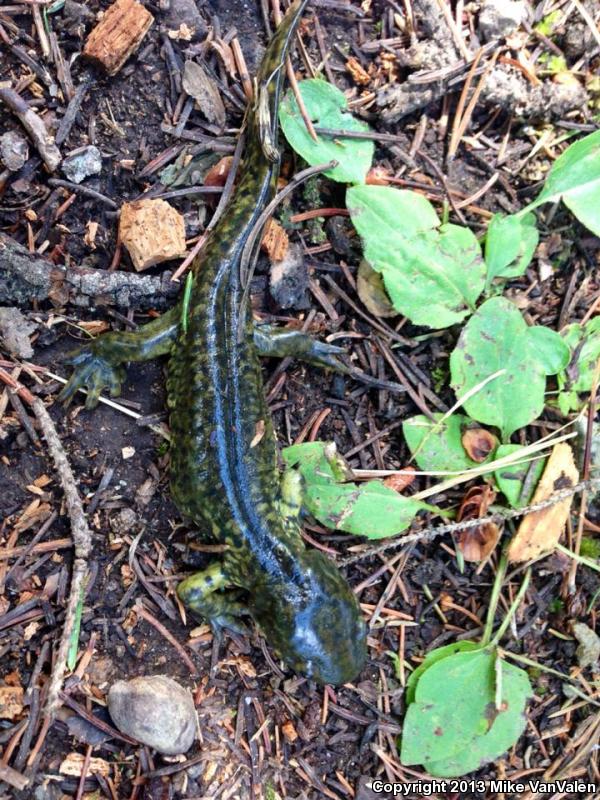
(82, 540)
(293, 82)
(43, 547)
(142, 612)
(433, 531)
(15, 779)
(240, 63)
(221, 206)
(299, 178)
(75, 187)
(34, 125)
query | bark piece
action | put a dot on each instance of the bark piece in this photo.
(25, 277)
(152, 231)
(118, 34)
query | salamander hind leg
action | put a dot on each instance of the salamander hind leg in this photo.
(202, 593)
(270, 341)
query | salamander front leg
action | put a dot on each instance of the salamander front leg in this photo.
(98, 364)
(200, 592)
(271, 341)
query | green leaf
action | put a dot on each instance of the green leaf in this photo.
(552, 350)
(327, 108)
(575, 178)
(367, 509)
(510, 479)
(433, 273)
(438, 447)
(432, 658)
(578, 376)
(506, 728)
(510, 243)
(497, 338)
(449, 709)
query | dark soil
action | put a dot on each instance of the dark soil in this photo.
(315, 743)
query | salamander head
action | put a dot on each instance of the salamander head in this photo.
(323, 636)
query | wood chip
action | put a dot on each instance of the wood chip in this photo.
(275, 241)
(73, 765)
(359, 74)
(152, 231)
(540, 532)
(118, 34)
(11, 701)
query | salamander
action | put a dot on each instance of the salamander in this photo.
(224, 472)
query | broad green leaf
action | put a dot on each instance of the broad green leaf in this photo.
(367, 509)
(433, 273)
(319, 462)
(438, 447)
(450, 709)
(510, 243)
(575, 178)
(510, 479)
(327, 108)
(505, 730)
(497, 338)
(431, 658)
(578, 376)
(551, 348)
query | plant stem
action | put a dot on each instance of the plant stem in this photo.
(576, 557)
(489, 622)
(531, 663)
(512, 610)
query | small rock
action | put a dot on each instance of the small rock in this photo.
(289, 280)
(77, 16)
(14, 332)
(14, 150)
(588, 652)
(82, 163)
(500, 18)
(186, 12)
(156, 711)
(124, 522)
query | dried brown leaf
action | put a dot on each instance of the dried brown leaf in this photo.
(540, 531)
(476, 544)
(218, 173)
(199, 85)
(370, 288)
(478, 443)
(399, 482)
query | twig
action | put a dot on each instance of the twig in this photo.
(294, 83)
(34, 125)
(15, 779)
(221, 206)
(75, 187)
(82, 540)
(454, 527)
(143, 612)
(299, 178)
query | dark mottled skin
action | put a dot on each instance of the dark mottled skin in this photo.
(224, 472)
